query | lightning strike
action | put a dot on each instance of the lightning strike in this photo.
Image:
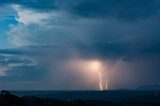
(95, 66)
(100, 81)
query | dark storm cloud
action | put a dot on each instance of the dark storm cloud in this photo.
(12, 52)
(108, 41)
(124, 9)
(37, 4)
(24, 73)
(123, 30)
(18, 66)
(105, 29)
(12, 60)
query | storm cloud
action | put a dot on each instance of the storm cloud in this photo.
(124, 33)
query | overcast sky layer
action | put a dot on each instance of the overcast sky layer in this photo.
(39, 37)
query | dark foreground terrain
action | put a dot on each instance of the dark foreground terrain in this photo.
(80, 98)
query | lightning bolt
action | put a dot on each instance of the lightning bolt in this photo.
(106, 86)
(100, 81)
(106, 83)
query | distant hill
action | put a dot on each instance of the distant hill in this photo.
(81, 98)
(149, 87)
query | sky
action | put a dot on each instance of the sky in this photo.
(49, 44)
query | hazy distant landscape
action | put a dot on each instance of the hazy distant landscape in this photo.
(110, 95)
(80, 98)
